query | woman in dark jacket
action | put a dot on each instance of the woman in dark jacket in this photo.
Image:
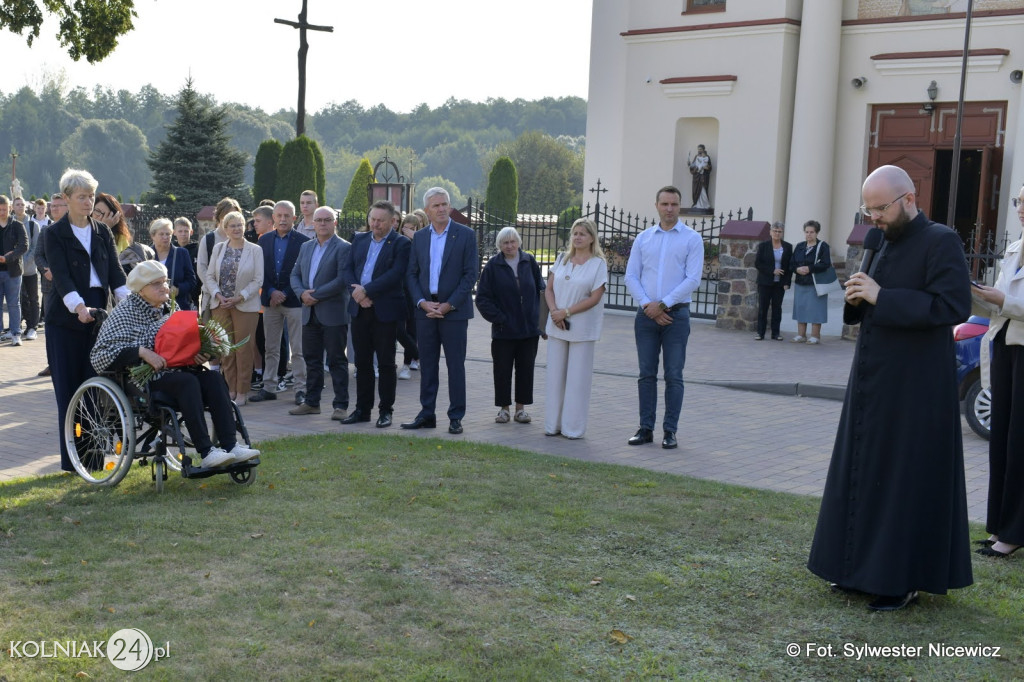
(774, 273)
(809, 257)
(80, 253)
(508, 296)
(176, 260)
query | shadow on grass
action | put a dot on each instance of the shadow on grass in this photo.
(381, 557)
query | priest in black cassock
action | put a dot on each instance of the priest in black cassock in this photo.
(893, 516)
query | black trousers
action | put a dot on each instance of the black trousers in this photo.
(406, 333)
(190, 391)
(317, 338)
(514, 354)
(1006, 447)
(30, 300)
(371, 336)
(769, 295)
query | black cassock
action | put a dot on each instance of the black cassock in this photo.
(893, 515)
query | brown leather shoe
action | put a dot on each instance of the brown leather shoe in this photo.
(304, 408)
(44, 372)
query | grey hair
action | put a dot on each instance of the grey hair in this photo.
(285, 202)
(334, 214)
(77, 179)
(779, 224)
(434, 191)
(507, 234)
(160, 223)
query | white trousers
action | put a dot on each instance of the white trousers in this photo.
(570, 375)
(274, 319)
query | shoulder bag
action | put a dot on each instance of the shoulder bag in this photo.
(827, 281)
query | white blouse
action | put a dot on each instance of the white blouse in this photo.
(573, 283)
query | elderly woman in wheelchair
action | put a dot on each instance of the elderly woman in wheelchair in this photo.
(126, 338)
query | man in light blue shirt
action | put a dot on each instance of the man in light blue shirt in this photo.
(663, 271)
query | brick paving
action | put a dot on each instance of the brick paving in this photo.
(767, 436)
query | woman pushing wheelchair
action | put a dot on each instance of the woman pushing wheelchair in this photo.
(129, 336)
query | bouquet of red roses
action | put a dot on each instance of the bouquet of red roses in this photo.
(181, 338)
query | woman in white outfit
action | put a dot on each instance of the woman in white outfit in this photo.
(575, 297)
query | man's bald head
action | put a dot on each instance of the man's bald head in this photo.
(890, 179)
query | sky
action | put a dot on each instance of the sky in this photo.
(399, 53)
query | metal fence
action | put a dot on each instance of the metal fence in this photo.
(545, 236)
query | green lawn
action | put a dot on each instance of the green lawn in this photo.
(383, 558)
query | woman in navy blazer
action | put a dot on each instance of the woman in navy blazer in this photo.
(81, 256)
(774, 274)
(176, 260)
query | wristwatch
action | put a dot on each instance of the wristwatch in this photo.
(567, 314)
(662, 306)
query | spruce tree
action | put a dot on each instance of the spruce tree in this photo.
(264, 181)
(296, 170)
(358, 198)
(502, 199)
(196, 162)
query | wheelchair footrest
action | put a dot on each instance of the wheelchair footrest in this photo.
(189, 471)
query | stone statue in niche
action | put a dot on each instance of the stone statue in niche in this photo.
(700, 169)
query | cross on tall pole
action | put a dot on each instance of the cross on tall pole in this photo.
(302, 25)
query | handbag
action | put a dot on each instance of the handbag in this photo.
(827, 281)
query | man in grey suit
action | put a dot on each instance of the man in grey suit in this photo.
(443, 267)
(318, 279)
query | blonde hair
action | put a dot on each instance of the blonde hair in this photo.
(232, 215)
(160, 223)
(591, 229)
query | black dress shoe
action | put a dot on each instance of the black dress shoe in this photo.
(261, 395)
(455, 426)
(384, 420)
(356, 417)
(893, 603)
(641, 437)
(995, 553)
(421, 423)
(669, 442)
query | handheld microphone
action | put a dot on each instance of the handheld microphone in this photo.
(872, 243)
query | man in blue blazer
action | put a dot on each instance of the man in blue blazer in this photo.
(318, 278)
(443, 268)
(281, 304)
(375, 271)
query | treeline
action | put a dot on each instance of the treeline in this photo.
(454, 145)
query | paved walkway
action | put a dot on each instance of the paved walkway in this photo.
(779, 441)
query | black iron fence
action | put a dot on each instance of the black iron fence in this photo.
(545, 236)
(983, 255)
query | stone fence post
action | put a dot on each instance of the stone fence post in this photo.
(737, 278)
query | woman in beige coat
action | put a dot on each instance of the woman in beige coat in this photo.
(233, 279)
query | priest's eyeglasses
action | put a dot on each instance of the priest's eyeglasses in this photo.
(878, 211)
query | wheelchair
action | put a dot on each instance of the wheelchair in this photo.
(111, 423)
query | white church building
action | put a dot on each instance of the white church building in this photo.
(797, 100)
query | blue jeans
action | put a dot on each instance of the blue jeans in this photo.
(10, 290)
(669, 341)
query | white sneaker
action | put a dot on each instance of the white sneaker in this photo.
(414, 365)
(240, 453)
(813, 340)
(798, 339)
(16, 341)
(217, 457)
(404, 373)
(30, 334)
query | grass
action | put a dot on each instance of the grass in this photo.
(383, 558)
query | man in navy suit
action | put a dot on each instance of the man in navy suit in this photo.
(281, 305)
(319, 276)
(375, 271)
(443, 268)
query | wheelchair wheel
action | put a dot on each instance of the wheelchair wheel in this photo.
(99, 431)
(246, 477)
(159, 473)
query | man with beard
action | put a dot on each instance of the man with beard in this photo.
(893, 516)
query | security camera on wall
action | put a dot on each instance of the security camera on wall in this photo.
(859, 82)
(1016, 76)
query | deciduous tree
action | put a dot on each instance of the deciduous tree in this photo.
(88, 28)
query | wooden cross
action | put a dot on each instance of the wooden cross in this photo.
(302, 25)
